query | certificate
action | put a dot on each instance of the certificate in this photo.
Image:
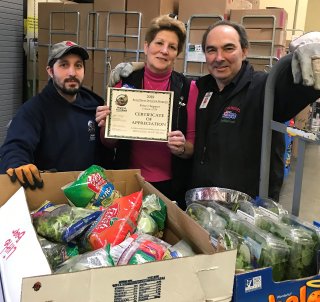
(139, 114)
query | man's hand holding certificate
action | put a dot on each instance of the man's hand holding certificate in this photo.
(139, 114)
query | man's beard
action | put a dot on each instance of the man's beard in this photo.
(68, 91)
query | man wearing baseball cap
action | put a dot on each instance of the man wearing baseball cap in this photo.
(56, 129)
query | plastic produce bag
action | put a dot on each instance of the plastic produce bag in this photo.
(116, 223)
(88, 260)
(145, 248)
(57, 253)
(91, 189)
(63, 223)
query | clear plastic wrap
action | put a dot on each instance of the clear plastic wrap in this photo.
(229, 197)
(296, 222)
(265, 249)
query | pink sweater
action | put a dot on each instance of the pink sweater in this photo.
(154, 158)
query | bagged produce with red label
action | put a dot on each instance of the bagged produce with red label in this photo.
(116, 223)
(145, 248)
(91, 189)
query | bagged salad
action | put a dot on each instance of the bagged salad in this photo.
(91, 189)
(301, 259)
(265, 249)
(63, 223)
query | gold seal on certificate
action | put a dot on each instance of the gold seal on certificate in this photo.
(139, 114)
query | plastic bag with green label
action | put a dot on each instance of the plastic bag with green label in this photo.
(91, 189)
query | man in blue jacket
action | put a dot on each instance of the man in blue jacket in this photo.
(56, 129)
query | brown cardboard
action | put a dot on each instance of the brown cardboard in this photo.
(149, 10)
(193, 68)
(109, 5)
(111, 58)
(101, 28)
(131, 43)
(58, 36)
(202, 22)
(98, 83)
(186, 279)
(265, 49)
(210, 7)
(258, 34)
(64, 15)
(44, 10)
(281, 17)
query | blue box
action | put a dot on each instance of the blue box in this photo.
(258, 286)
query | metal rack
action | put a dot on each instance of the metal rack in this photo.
(75, 33)
(197, 56)
(303, 137)
(107, 49)
(271, 57)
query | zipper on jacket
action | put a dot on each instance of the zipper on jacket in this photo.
(203, 155)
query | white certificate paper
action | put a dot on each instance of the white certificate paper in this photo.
(139, 114)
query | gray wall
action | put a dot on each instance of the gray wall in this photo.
(11, 61)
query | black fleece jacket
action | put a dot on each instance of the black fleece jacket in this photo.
(229, 130)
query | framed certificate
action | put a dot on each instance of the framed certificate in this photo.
(139, 114)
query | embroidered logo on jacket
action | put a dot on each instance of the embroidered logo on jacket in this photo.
(230, 114)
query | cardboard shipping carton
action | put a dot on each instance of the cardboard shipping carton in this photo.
(260, 18)
(258, 286)
(205, 277)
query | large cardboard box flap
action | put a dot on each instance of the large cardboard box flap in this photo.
(20, 253)
(184, 279)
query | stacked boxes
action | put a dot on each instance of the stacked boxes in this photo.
(110, 43)
(59, 22)
(266, 30)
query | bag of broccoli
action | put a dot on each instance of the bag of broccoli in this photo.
(57, 253)
(91, 188)
(63, 223)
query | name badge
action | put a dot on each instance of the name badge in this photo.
(206, 100)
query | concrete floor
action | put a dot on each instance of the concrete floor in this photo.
(310, 192)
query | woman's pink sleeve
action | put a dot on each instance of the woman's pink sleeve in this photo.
(191, 109)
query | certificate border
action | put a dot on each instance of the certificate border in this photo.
(145, 138)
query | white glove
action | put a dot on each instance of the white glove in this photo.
(123, 70)
(306, 59)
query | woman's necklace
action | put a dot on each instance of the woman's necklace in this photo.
(164, 85)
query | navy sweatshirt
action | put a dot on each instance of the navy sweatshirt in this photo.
(52, 133)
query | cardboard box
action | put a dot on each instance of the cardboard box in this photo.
(192, 68)
(131, 43)
(258, 34)
(103, 60)
(243, 16)
(101, 27)
(198, 7)
(186, 279)
(58, 36)
(258, 286)
(265, 49)
(197, 22)
(64, 15)
(109, 5)
(149, 10)
(98, 83)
